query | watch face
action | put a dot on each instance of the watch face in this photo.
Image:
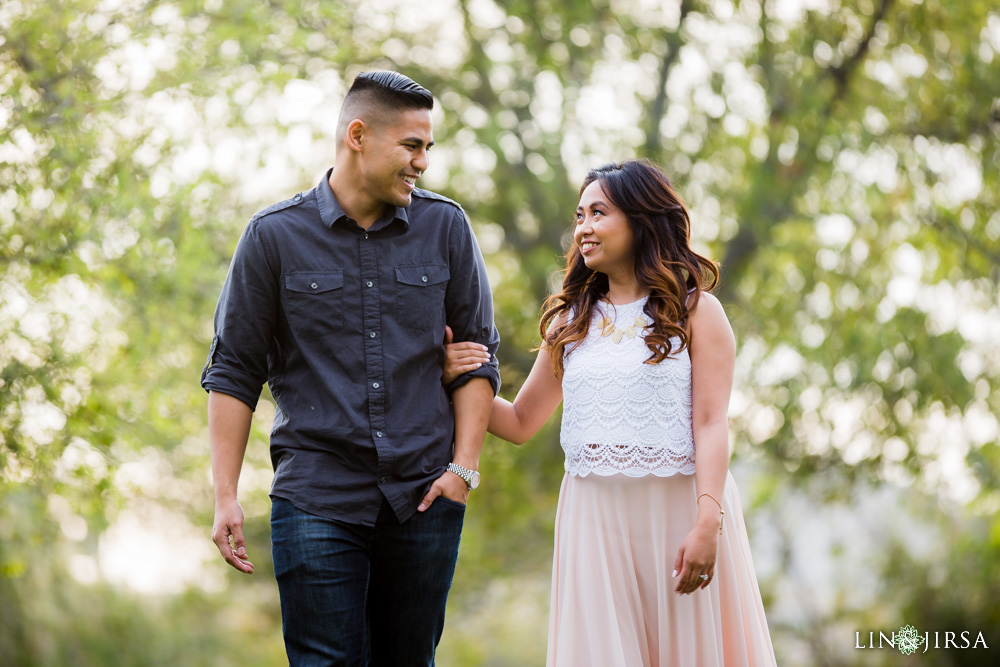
(474, 480)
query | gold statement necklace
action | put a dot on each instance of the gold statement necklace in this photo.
(608, 328)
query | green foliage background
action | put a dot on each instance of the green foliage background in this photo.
(840, 159)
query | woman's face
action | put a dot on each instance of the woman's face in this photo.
(603, 234)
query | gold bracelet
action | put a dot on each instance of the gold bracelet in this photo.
(722, 512)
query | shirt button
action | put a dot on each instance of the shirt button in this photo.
(375, 384)
(423, 278)
(378, 434)
(371, 335)
(313, 285)
(366, 234)
(384, 479)
(369, 283)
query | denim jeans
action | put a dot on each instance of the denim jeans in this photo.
(362, 595)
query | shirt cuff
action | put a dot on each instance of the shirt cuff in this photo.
(216, 380)
(488, 371)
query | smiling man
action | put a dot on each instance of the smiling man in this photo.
(338, 299)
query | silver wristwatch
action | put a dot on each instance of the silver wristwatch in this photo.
(471, 477)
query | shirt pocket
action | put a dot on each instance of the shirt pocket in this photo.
(314, 302)
(420, 292)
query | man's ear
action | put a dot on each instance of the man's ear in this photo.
(357, 131)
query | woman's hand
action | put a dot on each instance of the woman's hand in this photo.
(461, 357)
(696, 557)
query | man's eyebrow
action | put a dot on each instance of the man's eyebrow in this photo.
(416, 140)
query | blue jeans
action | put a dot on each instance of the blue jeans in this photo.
(362, 595)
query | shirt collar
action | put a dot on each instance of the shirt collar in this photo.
(330, 211)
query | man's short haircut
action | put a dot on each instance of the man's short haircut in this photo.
(393, 90)
(377, 95)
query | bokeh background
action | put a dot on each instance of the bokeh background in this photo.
(840, 159)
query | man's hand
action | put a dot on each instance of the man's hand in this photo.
(461, 357)
(229, 523)
(449, 485)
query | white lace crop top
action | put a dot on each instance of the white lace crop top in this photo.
(620, 415)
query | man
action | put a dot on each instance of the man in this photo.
(338, 298)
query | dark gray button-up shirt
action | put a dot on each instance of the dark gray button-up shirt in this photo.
(346, 327)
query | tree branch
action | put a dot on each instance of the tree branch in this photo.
(653, 146)
(971, 242)
(746, 241)
(842, 73)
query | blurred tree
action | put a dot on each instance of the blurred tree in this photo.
(112, 249)
(839, 158)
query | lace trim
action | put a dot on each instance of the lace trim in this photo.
(629, 460)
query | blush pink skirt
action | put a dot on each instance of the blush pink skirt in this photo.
(613, 601)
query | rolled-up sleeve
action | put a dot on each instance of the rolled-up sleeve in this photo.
(469, 301)
(244, 323)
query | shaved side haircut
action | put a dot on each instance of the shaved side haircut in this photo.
(376, 96)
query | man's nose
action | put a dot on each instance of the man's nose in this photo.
(421, 160)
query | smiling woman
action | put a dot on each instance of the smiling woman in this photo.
(642, 357)
(603, 234)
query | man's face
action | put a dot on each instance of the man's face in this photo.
(394, 155)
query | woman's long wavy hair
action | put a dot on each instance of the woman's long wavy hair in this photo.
(665, 264)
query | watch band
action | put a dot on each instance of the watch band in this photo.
(462, 472)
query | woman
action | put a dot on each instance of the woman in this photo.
(652, 564)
